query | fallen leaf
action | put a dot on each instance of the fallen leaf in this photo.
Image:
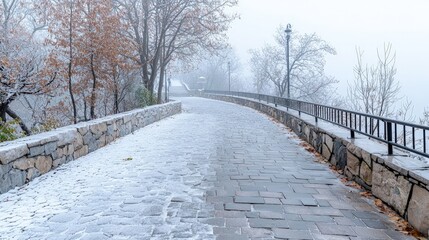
(128, 159)
(366, 194)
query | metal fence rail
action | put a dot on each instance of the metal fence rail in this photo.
(407, 136)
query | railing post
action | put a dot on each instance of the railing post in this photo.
(275, 102)
(389, 138)
(299, 109)
(352, 134)
(315, 112)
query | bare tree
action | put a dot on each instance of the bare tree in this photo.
(22, 60)
(307, 66)
(375, 88)
(165, 30)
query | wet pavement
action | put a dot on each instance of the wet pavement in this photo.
(216, 171)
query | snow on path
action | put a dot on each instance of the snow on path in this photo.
(217, 170)
(126, 190)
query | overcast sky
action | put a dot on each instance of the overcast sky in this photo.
(345, 25)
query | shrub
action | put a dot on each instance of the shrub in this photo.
(8, 130)
(144, 97)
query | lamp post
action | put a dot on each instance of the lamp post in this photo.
(288, 32)
(229, 76)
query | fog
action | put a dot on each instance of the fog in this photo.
(346, 25)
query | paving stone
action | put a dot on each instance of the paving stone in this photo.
(236, 222)
(292, 234)
(274, 201)
(254, 200)
(313, 210)
(271, 194)
(232, 237)
(364, 232)
(376, 224)
(291, 201)
(226, 230)
(317, 218)
(271, 215)
(364, 215)
(247, 193)
(309, 202)
(238, 207)
(333, 229)
(215, 221)
(301, 225)
(259, 233)
(268, 208)
(268, 223)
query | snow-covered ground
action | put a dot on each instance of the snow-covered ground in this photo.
(129, 189)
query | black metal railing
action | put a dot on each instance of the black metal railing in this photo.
(407, 136)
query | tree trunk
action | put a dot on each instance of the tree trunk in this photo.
(161, 83)
(13, 115)
(70, 65)
(3, 113)
(116, 98)
(93, 90)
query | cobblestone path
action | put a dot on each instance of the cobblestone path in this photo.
(217, 171)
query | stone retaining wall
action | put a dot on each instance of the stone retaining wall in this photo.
(24, 159)
(401, 182)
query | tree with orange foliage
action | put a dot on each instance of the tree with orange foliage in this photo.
(86, 36)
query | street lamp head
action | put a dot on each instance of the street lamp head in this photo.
(288, 29)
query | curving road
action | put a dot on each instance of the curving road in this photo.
(216, 171)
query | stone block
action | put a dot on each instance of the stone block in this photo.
(5, 184)
(17, 178)
(392, 189)
(101, 142)
(355, 150)
(326, 153)
(307, 130)
(59, 153)
(36, 151)
(67, 137)
(4, 169)
(366, 157)
(353, 163)
(59, 161)
(92, 146)
(421, 176)
(78, 143)
(418, 214)
(365, 173)
(83, 129)
(43, 164)
(340, 155)
(328, 141)
(50, 147)
(24, 163)
(81, 152)
(98, 129)
(70, 150)
(11, 152)
(32, 173)
(111, 129)
(88, 138)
